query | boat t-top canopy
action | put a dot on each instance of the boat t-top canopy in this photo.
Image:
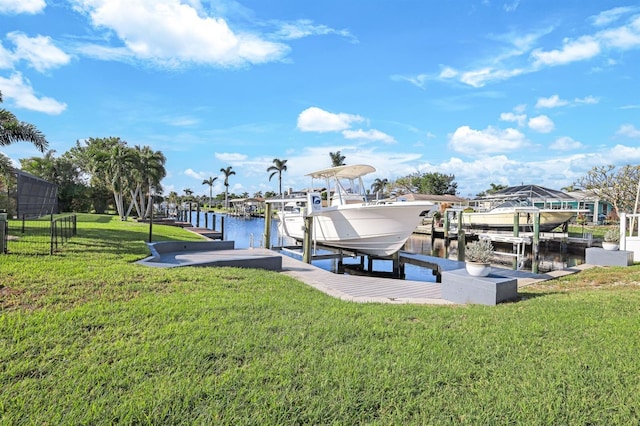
(343, 172)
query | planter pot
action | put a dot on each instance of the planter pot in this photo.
(478, 269)
(610, 246)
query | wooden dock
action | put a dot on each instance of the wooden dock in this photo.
(205, 232)
(363, 289)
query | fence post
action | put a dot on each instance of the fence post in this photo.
(52, 232)
(3, 232)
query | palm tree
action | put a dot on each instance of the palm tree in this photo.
(278, 167)
(153, 171)
(146, 175)
(173, 201)
(5, 164)
(117, 165)
(12, 130)
(5, 168)
(210, 183)
(227, 172)
(378, 186)
(337, 159)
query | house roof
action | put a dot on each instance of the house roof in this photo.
(528, 192)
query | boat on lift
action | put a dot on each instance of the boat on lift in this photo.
(345, 219)
(501, 218)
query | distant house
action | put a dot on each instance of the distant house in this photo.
(534, 195)
(546, 198)
(247, 206)
(599, 210)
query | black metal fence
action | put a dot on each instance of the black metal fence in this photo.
(37, 236)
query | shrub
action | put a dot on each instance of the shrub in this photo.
(480, 251)
(612, 235)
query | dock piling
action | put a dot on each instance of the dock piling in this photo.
(267, 226)
(516, 233)
(535, 251)
(461, 239)
(306, 244)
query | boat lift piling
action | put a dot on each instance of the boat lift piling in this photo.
(267, 226)
(447, 240)
(535, 250)
(516, 234)
(461, 239)
(308, 239)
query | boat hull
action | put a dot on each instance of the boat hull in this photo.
(372, 229)
(549, 220)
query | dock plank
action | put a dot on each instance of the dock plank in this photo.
(358, 288)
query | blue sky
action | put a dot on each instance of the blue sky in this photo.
(504, 92)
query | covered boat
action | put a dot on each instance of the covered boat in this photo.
(554, 207)
(502, 218)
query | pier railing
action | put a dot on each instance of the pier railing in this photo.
(630, 234)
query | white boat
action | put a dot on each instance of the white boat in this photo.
(348, 221)
(502, 217)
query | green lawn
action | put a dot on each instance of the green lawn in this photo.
(89, 337)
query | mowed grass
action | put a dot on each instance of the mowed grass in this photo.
(89, 337)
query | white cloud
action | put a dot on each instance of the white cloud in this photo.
(230, 157)
(305, 27)
(480, 77)
(585, 47)
(565, 143)
(314, 119)
(448, 72)
(371, 135)
(475, 176)
(21, 92)
(512, 6)
(628, 131)
(418, 80)
(622, 154)
(519, 109)
(625, 37)
(512, 117)
(590, 100)
(541, 124)
(555, 101)
(509, 62)
(194, 174)
(6, 60)
(611, 15)
(21, 6)
(551, 102)
(39, 52)
(490, 140)
(173, 33)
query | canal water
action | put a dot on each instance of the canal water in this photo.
(248, 233)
